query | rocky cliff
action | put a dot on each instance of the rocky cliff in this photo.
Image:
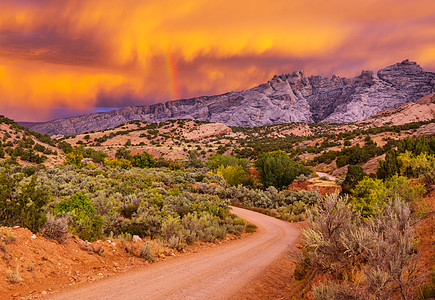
(422, 110)
(285, 98)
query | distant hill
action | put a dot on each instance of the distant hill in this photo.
(285, 98)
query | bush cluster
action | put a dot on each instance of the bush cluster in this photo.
(375, 256)
(98, 201)
(288, 205)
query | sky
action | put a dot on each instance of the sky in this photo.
(61, 58)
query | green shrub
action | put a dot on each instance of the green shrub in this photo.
(22, 206)
(78, 203)
(117, 163)
(278, 169)
(250, 228)
(217, 160)
(388, 167)
(147, 254)
(87, 225)
(354, 175)
(74, 157)
(143, 160)
(371, 194)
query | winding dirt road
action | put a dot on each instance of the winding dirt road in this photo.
(215, 273)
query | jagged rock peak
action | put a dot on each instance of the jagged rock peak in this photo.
(289, 97)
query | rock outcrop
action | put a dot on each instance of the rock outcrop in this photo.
(422, 110)
(285, 98)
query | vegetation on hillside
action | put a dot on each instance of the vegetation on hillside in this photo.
(364, 241)
(361, 241)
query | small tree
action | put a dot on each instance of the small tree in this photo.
(233, 175)
(278, 169)
(388, 167)
(143, 160)
(353, 176)
(75, 157)
(123, 153)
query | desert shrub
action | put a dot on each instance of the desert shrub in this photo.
(427, 291)
(217, 160)
(21, 205)
(376, 255)
(234, 225)
(302, 178)
(56, 229)
(332, 219)
(121, 202)
(13, 276)
(171, 227)
(250, 228)
(287, 205)
(332, 290)
(147, 254)
(90, 228)
(86, 224)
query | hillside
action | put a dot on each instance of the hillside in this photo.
(24, 146)
(317, 145)
(286, 98)
(422, 110)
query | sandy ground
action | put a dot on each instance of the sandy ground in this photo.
(216, 273)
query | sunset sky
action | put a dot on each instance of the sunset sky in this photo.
(83, 56)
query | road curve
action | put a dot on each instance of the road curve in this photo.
(330, 177)
(215, 273)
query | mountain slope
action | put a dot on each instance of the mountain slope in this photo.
(422, 110)
(285, 98)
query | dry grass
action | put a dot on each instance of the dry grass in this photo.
(13, 276)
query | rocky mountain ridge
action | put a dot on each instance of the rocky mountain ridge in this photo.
(289, 97)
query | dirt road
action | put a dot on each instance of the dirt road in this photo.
(216, 273)
(330, 177)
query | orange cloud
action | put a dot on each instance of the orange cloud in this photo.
(112, 53)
